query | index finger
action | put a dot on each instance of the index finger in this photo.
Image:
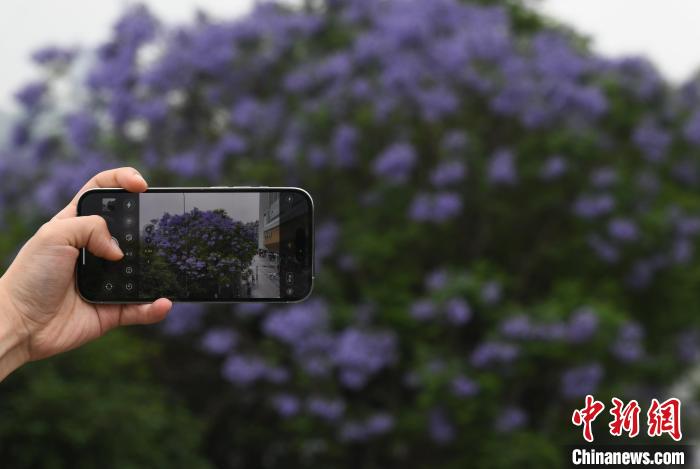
(127, 178)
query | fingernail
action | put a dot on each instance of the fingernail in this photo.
(140, 178)
(115, 243)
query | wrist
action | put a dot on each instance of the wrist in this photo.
(13, 335)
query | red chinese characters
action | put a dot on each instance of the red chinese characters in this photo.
(625, 418)
(665, 417)
(587, 415)
(662, 418)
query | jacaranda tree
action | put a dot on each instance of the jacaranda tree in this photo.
(505, 221)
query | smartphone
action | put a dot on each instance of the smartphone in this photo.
(215, 244)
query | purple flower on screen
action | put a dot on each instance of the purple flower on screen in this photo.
(510, 419)
(623, 229)
(457, 311)
(448, 172)
(581, 380)
(501, 168)
(219, 340)
(553, 168)
(395, 163)
(461, 386)
(582, 325)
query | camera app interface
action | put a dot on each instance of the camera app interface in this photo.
(202, 246)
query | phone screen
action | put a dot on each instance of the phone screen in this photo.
(201, 245)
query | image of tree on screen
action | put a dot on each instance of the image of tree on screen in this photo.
(204, 251)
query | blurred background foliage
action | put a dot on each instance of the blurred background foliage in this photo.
(505, 223)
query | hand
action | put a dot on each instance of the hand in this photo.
(41, 312)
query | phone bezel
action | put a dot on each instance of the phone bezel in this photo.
(213, 189)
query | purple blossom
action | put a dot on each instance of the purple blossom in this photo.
(553, 168)
(457, 311)
(244, 370)
(651, 140)
(623, 229)
(691, 129)
(517, 327)
(296, 323)
(436, 280)
(183, 318)
(360, 354)
(582, 380)
(501, 169)
(395, 163)
(423, 310)
(286, 405)
(510, 419)
(461, 386)
(449, 172)
(454, 142)
(583, 324)
(81, 129)
(491, 292)
(53, 55)
(627, 346)
(436, 208)
(441, 430)
(688, 346)
(31, 95)
(682, 251)
(326, 408)
(604, 250)
(219, 340)
(493, 352)
(592, 206)
(603, 177)
(344, 145)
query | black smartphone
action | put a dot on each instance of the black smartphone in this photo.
(215, 244)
